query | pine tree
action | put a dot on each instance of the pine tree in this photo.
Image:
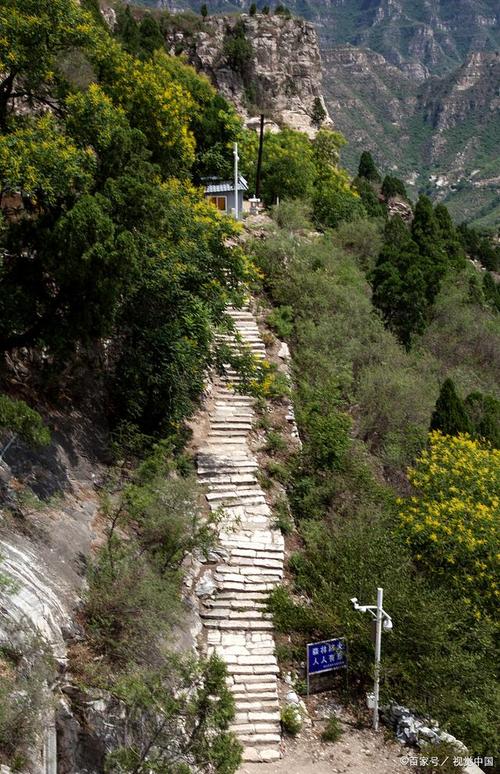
(393, 186)
(150, 37)
(318, 113)
(399, 287)
(484, 414)
(127, 30)
(426, 233)
(491, 291)
(204, 11)
(367, 168)
(253, 9)
(450, 240)
(450, 415)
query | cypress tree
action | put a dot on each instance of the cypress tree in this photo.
(367, 168)
(127, 30)
(399, 286)
(425, 232)
(450, 415)
(450, 240)
(253, 9)
(150, 37)
(393, 186)
(484, 414)
(318, 113)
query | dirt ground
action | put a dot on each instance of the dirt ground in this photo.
(358, 751)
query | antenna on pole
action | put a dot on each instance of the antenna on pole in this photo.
(259, 159)
(236, 181)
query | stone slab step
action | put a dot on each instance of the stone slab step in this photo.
(237, 624)
(259, 738)
(257, 700)
(260, 755)
(255, 728)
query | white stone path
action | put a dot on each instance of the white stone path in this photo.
(237, 627)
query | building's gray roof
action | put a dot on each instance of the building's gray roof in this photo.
(221, 186)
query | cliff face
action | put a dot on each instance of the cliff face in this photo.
(283, 74)
(419, 36)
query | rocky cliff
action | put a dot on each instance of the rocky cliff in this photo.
(279, 70)
(414, 81)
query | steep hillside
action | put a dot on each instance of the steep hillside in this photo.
(423, 36)
(416, 83)
(262, 61)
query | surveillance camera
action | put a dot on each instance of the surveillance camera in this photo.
(387, 624)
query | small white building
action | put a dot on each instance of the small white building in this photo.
(221, 194)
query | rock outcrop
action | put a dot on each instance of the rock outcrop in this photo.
(283, 76)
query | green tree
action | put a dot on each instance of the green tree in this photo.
(34, 36)
(150, 36)
(484, 415)
(451, 244)
(22, 420)
(318, 114)
(204, 11)
(127, 30)
(393, 186)
(450, 415)
(371, 202)
(399, 288)
(491, 291)
(253, 9)
(180, 716)
(426, 232)
(238, 50)
(265, 10)
(367, 168)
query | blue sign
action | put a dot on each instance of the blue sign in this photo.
(326, 656)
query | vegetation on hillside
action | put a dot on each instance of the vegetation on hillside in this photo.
(361, 522)
(113, 263)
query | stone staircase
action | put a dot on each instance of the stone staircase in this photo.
(235, 622)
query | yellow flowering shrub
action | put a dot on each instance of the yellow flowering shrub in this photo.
(452, 520)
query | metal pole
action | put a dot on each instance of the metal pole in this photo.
(378, 646)
(259, 158)
(236, 159)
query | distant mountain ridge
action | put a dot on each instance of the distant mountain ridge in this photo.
(416, 82)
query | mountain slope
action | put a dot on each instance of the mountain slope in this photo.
(416, 83)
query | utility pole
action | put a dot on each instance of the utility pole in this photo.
(259, 158)
(382, 620)
(378, 647)
(236, 181)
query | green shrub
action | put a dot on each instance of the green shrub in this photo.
(292, 214)
(19, 418)
(278, 471)
(291, 721)
(332, 730)
(282, 517)
(446, 755)
(281, 321)
(275, 443)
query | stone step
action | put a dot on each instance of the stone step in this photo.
(257, 700)
(229, 478)
(260, 738)
(230, 614)
(243, 586)
(258, 755)
(239, 624)
(255, 728)
(253, 683)
(235, 604)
